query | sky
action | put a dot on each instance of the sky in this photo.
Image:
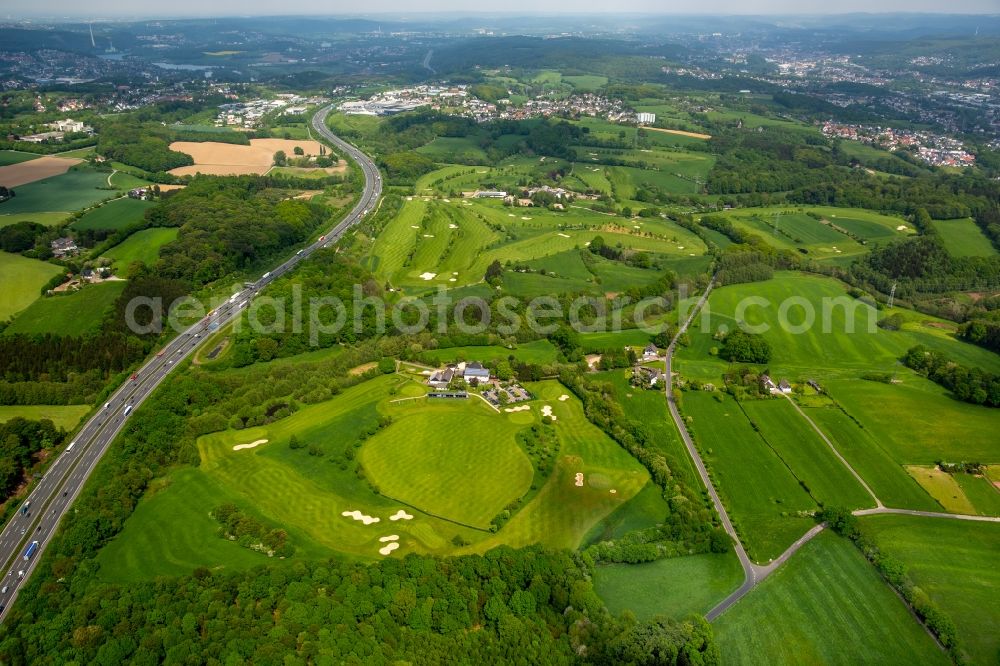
(111, 8)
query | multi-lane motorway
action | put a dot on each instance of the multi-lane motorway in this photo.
(51, 498)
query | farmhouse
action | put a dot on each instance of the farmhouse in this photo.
(650, 353)
(645, 376)
(63, 247)
(784, 386)
(767, 383)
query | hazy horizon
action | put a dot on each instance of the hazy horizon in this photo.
(55, 9)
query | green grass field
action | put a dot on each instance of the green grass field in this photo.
(73, 190)
(141, 246)
(22, 280)
(78, 313)
(869, 458)
(458, 462)
(955, 563)
(114, 215)
(306, 494)
(47, 219)
(844, 341)
(963, 238)
(674, 587)
(806, 455)
(538, 351)
(454, 149)
(917, 423)
(826, 605)
(763, 497)
(63, 416)
(8, 157)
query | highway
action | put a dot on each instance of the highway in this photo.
(40, 514)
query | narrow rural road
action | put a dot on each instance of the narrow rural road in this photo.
(753, 573)
(926, 514)
(426, 64)
(51, 499)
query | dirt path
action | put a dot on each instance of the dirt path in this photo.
(694, 135)
(878, 502)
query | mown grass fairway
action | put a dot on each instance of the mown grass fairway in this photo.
(71, 191)
(114, 215)
(762, 496)
(305, 490)
(955, 563)
(675, 586)
(962, 238)
(77, 313)
(62, 416)
(22, 280)
(826, 605)
(141, 246)
(458, 462)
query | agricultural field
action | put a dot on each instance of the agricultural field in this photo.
(767, 504)
(13, 174)
(916, 421)
(825, 605)
(886, 477)
(809, 458)
(141, 246)
(8, 157)
(45, 219)
(226, 159)
(963, 238)
(955, 564)
(851, 344)
(70, 191)
(62, 416)
(306, 490)
(675, 586)
(22, 281)
(80, 312)
(958, 493)
(114, 215)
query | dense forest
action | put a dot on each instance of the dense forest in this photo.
(20, 440)
(973, 385)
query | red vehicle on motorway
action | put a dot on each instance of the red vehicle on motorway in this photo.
(134, 377)
(322, 237)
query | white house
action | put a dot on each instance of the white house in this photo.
(650, 353)
(475, 370)
(784, 386)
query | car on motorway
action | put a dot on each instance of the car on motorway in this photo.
(299, 253)
(134, 377)
(322, 238)
(159, 353)
(4, 589)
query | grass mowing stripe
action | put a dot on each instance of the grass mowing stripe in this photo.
(826, 605)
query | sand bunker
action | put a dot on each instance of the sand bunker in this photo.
(357, 515)
(579, 480)
(221, 159)
(525, 218)
(613, 491)
(388, 548)
(564, 235)
(390, 537)
(428, 276)
(14, 175)
(547, 411)
(519, 408)
(563, 398)
(453, 226)
(447, 200)
(401, 515)
(901, 227)
(240, 447)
